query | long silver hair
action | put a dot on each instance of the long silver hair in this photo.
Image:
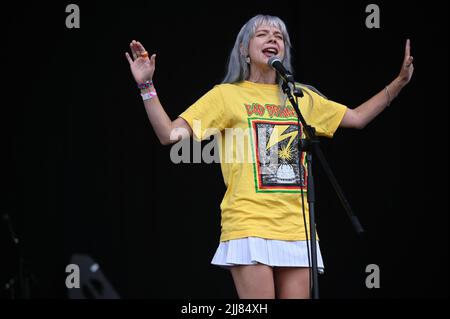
(238, 68)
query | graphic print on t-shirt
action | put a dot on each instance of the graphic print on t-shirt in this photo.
(276, 156)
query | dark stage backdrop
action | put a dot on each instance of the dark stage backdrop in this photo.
(83, 171)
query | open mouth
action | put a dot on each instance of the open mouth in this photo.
(270, 52)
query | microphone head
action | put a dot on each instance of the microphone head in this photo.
(273, 59)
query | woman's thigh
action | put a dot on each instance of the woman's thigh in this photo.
(253, 281)
(291, 282)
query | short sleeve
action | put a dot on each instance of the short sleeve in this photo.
(207, 115)
(325, 115)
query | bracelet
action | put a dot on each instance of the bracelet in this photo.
(145, 85)
(148, 96)
(389, 95)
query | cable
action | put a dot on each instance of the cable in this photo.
(308, 249)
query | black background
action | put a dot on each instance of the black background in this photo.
(83, 171)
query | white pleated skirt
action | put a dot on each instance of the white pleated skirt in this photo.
(271, 252)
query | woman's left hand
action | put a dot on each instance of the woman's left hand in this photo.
(407, 69)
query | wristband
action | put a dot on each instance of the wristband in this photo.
(148, 95)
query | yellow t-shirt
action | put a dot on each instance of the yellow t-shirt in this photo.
(262, 172)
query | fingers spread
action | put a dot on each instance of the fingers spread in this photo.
(138, 51)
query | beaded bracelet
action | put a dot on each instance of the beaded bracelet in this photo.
(145, 85)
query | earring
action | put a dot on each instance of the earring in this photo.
(247, 59)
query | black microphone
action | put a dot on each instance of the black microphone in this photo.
(286, 75)
(276, 63)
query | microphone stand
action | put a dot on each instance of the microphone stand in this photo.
(310, 145)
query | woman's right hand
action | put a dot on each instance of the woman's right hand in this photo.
(142, 67)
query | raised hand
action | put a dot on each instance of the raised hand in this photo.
(142, 67)
(407, 69)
